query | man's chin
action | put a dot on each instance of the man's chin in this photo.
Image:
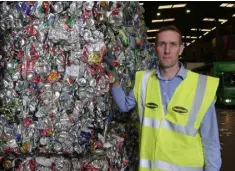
(165, 65)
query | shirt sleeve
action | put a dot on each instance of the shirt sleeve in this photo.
(124, 103)
(210, 140)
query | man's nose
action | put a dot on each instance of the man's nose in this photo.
(167, 49)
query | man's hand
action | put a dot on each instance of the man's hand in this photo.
(116, 83)
(110, 69)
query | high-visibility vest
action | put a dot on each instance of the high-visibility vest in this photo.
(171, 142)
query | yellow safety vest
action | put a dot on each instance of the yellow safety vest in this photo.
(172, 142)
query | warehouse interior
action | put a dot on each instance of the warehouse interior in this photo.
(201, 23)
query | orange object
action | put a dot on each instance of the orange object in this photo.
(53, 76)
(103, 4)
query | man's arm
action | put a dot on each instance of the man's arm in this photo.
(124, 103)
(210, 140)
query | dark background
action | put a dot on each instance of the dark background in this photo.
(218, 44)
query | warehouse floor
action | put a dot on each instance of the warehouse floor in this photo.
(226, 120)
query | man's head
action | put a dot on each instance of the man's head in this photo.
(169, 46)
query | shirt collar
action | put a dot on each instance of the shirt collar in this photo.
(181, 73)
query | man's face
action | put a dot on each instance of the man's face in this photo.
(168, 48)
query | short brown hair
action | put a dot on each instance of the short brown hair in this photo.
(169, 28)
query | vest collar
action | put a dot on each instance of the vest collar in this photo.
(181, 73)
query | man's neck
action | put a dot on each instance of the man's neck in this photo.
(169, 73)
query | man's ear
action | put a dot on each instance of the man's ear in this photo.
(181, 49)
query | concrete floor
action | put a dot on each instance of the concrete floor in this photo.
(226, 123)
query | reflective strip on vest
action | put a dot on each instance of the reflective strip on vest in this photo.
(143, 94)
(162, 165)
(189, 128)
(151, 122)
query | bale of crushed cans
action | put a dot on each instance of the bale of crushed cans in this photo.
(56, 110)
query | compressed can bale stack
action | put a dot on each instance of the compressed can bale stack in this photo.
(56, 110)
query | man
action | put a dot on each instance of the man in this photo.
(178, 124)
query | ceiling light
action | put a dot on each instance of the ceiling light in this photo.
(187, 44)
(193, 41)
(222, 20)
(205, 33)
(190, 37)
(211, 19)
(141, 3)
(158, 14)
(151, 37)
(169, 19)
(230, 5)
(161, 20)
(182, 36)
(157, 21)
(200, 37)
(164, 6)
(208, 19)
(224, 4)
(179, 5)
(213, 28)
(233, 15)
(227, 5)
(188, 11)
(194, 29)
(205, 30)
(149, 31)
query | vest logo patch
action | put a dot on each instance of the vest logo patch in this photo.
(151, 105)
(179, 109)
